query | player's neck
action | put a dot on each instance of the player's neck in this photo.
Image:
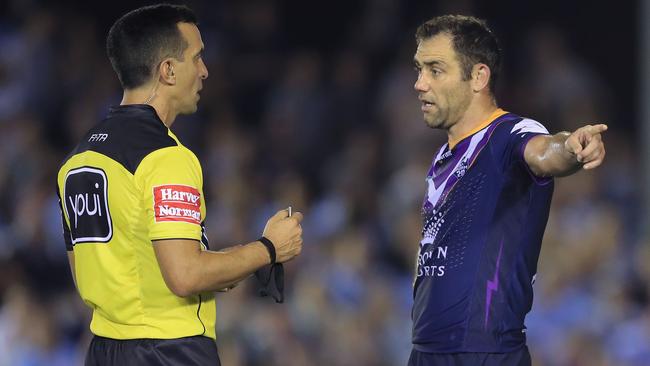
(149, 96)
(475, 117)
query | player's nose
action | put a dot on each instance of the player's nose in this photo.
(420, 84)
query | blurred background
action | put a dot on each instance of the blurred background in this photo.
(312, 104)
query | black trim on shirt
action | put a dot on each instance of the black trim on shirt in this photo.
(127, 135)
(66, 230)
(198, 313)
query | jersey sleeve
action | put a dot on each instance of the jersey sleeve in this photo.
(517, 136)
(172, 192)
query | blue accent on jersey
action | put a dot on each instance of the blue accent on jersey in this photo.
(484, 216)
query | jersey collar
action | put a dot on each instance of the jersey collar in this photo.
(496, 114)
(135, 110)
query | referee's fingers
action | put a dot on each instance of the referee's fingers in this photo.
(297, 216)
(279, 215)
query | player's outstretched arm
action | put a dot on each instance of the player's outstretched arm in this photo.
(565, 153)
(188, 270)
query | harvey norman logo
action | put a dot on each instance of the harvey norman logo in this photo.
(177, 202)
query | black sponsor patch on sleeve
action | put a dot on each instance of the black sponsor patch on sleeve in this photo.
(85, 196)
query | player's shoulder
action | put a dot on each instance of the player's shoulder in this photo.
(512, 124)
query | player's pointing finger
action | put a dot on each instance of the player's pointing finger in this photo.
(598, 128)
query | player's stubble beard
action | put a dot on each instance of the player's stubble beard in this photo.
(458, 99)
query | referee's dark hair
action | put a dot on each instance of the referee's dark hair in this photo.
(143, 37)
(473, 42)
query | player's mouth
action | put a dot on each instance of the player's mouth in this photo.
(426, 105)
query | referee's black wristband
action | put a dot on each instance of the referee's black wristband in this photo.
(269, 246)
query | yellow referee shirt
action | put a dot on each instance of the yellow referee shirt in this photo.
(130, 181)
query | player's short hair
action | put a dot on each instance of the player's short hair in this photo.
(143, 37)
(472, 40)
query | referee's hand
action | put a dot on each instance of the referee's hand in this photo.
(286, 235)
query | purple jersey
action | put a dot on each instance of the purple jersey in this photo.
(484, 216)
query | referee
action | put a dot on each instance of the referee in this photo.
(131, 197)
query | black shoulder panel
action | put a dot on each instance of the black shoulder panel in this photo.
(127, 135)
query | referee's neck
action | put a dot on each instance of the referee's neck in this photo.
(153, 99)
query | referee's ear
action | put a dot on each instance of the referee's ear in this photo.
(166, 72)
(480, 78)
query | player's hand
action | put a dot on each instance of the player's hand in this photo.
(586, 144)
(286, 234)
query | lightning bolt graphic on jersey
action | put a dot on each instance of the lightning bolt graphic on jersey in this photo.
(492, 286)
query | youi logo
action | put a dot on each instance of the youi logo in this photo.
(85, 196)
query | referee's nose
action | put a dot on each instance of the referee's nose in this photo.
(203, 71)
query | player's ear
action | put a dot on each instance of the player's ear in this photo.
(480, 77)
